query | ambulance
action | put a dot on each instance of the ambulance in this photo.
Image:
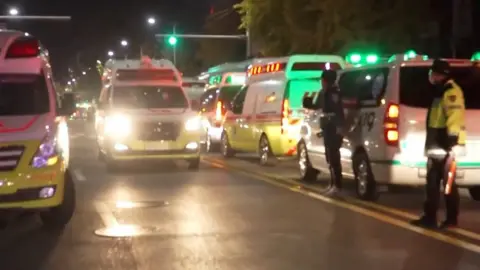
(34, 140)
(266, 115)
(144, 114)
(385, 142)
(224, 82)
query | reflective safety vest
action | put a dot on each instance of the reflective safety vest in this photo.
(446, 119)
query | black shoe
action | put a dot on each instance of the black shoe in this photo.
(425, 222)
(448, 224)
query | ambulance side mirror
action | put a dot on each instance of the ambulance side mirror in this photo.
(67, 105)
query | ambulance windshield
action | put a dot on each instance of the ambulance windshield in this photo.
(23, 95)
(149, 97)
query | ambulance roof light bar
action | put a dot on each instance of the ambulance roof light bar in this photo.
(267, 68)
(409, 55)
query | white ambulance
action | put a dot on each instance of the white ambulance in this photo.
(144, 114)
(266, 115)
(34, 141)
(386, 143)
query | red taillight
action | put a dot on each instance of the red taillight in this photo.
(23, 48)
(390, 125)
(285, 115)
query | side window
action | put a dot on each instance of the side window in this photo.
(207, 100)
(367, 86)
(237, 103)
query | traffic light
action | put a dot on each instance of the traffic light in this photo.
(172, 40)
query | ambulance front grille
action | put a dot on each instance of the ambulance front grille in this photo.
(10, 157)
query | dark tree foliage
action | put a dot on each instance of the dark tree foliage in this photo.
(334, 26)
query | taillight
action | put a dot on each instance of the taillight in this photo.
(390, 125)
(23, 48)
(285, 114)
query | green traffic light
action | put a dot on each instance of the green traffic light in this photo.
(172, 40)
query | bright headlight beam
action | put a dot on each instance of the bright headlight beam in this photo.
(118, 125)
(193, 124)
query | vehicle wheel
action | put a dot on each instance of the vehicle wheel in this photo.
(59, 216)
(227, 151)
(194, 164)
(365, 185)
(474, 193)
(307, 172)
(264, 151)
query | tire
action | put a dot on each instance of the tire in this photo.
(265, 151)
(58, 217)
(227, 151)
(307, 172)
(474, 193)
(365, 185)
(194, 164)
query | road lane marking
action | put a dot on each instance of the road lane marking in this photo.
(346, 205)
(79, 176)
(390, 210)
(106, 215)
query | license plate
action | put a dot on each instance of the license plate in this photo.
(157, 146)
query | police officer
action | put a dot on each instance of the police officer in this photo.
(331, 123)
(445, 132)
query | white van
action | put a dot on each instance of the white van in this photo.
(144, 114)
(34, 140)
(386, 145)
(266, 116)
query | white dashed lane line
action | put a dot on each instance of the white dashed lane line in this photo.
(79, 176)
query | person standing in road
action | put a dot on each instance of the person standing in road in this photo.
(331, 123)
(445, 134)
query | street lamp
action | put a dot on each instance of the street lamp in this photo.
(84, 73)
(151, 21)
(111, 53)
(13, 11)
(124, 43)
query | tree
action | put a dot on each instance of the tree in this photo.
(212, 52)
(333, 26)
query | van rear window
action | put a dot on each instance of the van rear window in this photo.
(298, 88)
(315, 66)
(416, 91)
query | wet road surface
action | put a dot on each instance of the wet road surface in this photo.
(228, 215)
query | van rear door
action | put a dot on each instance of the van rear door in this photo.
(415, 99)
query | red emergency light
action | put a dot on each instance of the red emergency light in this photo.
(24, 47)
(268, 68)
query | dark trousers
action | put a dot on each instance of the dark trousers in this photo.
(333, 142)
(435, 174)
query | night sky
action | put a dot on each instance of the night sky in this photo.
(98, 26)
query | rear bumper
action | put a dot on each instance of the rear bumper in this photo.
(414, 174)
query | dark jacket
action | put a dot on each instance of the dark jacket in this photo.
(330, 101)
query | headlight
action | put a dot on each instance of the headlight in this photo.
(118, 126)
(193, 124)
(47, 153)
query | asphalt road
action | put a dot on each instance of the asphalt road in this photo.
(229, 215)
